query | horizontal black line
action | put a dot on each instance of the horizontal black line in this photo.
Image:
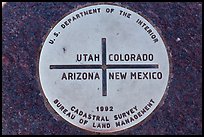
(75, 66)
(143, 66)
(116, 66)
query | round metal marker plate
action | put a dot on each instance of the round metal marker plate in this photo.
(104, 68)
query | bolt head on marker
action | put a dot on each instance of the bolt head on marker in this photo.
(104, 68)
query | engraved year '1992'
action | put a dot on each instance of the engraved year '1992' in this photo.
(104, 108)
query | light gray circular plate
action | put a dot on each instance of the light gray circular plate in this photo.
(104, 68)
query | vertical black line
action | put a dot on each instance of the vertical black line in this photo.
(104, 83)
(104, 79)
(103, 51)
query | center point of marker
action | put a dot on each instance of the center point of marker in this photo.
(104, 67)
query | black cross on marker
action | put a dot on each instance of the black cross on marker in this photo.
(104, 67)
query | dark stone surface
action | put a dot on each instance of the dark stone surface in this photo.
(25, 24)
